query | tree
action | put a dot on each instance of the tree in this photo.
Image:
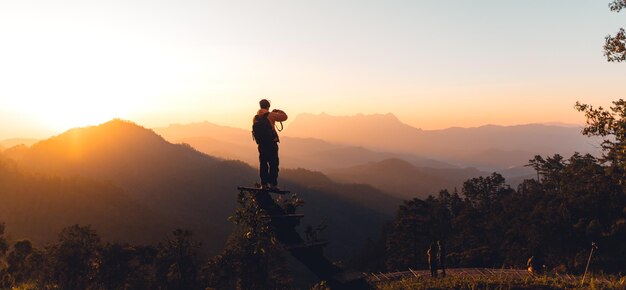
(615, 46)
(4, 246)
(76, 258)
(3, 250)
(611, 126)
(17, 261)
(127, 267)
(177, 261)
(252, 257)
(411, 234)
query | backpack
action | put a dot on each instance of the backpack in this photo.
(262, 131)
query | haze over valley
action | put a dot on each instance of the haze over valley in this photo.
(377, 150)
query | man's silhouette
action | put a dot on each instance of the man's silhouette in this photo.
(442, 256)
(432, 259)
(264, 131)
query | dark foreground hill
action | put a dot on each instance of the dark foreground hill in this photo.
(193, 189)
(37, 207)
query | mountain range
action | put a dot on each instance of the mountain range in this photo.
(136, 184)
(367, 149)
(296, 152)
(487, 147)
(188, 188)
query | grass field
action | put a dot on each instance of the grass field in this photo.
(496, 279)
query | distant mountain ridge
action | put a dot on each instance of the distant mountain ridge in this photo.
(347, 148)
(383, 136)
(461, 146)
(300, 152)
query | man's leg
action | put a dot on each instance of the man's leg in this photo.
(263, 169)
(273, 162)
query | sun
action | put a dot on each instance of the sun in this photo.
(66, 100)
(78, 91)
(66, 81)
(59, 113)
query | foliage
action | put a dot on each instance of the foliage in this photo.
(75, 259)
(252, 257)
(3, 249)
(611, 125)
(320, 286)
(79, 261)
(617, 5)
(22, 264)
(3, 241)
(177, 261)
(410, 235)
(127, 267)
(615, 46)
(491, 225)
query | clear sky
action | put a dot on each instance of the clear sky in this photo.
(434, 64)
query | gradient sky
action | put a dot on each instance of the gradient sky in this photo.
(434, 64)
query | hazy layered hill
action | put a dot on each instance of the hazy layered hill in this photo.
(487, 146)
(8, 143)
(195, 190)
(308, 152)
(37, 207)
(405, 180)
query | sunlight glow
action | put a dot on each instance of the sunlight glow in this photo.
(64, 75)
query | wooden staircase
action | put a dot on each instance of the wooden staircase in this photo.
(309, 253)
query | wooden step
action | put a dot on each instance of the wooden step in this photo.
(307, 245)
(257, 189)
(284, 216)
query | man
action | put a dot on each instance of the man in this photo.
(442, 257)
(432, 259)
(264, 132)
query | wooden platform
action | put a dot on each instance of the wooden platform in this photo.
(257, 189)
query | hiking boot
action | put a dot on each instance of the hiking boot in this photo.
(262, 186)
(273, 187)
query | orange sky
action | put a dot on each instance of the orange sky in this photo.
(432, 64)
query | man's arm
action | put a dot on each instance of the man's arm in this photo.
(277, 116)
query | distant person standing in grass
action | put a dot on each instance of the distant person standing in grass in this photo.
(266, 137)
(432, 259)
(442, 257)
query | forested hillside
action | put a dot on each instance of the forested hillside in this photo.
(37, 207)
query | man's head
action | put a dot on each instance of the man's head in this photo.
(265, 104)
